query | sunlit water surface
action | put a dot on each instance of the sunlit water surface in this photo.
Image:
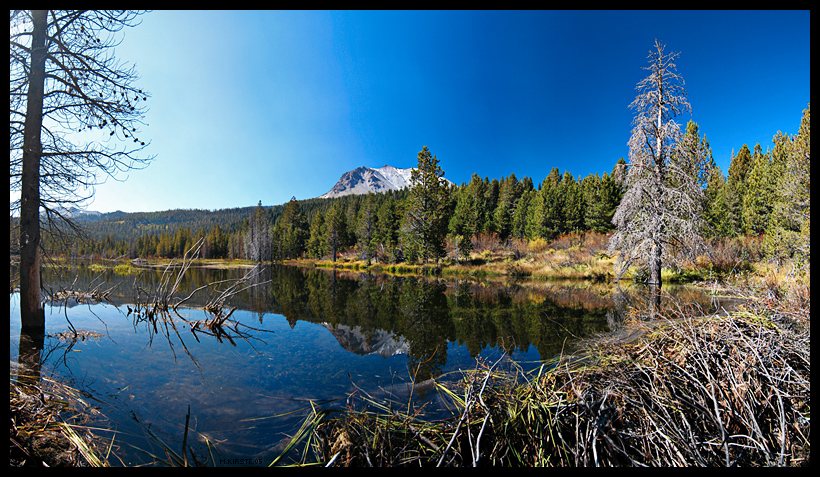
(313, 338)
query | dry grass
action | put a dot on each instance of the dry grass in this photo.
(39, 433)
(730, 390)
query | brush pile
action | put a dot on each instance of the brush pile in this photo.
(38, 434)
(731, 390)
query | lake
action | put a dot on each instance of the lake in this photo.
(298, 337)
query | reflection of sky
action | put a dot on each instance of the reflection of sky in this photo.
(236, 390)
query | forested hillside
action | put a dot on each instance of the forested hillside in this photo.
(765, 193)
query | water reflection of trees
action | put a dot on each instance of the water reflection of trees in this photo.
(429, 314)
(425, 314)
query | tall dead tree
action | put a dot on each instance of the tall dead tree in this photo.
(72, 105)
(659, 219)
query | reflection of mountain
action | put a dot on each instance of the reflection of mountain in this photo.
(382, 343)
(384, 315)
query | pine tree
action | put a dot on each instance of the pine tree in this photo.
(387, 229)
(509, 192)
(293, 230)
(717, 210)
(758, 198)
(544, 216)
(478, 206)
(426, 217)
(366, 231)
(595, 216)
(316, 245)
(490, 203)
(460, 218)
(548, 218)
(335, 229)
(519, 223)
(739, 167)
(573, 204)
(788, 233)
(795, 186)
(695, 156)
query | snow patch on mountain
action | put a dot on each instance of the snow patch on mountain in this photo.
(366, 179)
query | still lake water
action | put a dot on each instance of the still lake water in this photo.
(306, 335)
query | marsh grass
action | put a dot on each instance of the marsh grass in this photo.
(47, 425)
(691, 390)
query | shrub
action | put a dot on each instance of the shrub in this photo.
(735, 254)
(518, 247)
(538, 245)
(565, 241)
(486, 241)
(595, 242)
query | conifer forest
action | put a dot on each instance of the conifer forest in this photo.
(764, 195)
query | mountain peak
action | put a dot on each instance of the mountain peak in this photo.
(363, 180)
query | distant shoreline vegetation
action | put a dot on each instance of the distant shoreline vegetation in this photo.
(481, 221)
(574, 256)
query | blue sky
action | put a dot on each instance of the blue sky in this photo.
(266, 105)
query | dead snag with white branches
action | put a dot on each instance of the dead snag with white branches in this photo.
(72, 104)
(659, 219)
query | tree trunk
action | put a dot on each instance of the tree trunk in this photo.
(654, 301)
(655, 265)
(660, 178)
(32, 316)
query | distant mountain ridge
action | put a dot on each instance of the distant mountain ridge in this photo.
(119, 225)
(72, 212)
(366, 179)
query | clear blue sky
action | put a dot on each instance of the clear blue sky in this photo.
(250, 106)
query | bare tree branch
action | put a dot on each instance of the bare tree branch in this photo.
(660, 216)
(64, 80)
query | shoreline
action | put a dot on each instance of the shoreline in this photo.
(599, 367)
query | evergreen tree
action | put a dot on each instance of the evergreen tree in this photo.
(335, 229)
(216, 243)
(387, 229)
(460, 218)
(490, 203)
(352, 203)
(316, 245)
(759, 195)
(509, 192)
(695, 155)
(717, 210)
(426, 216)
(739, 167)
(519, 222)
(573, 204)
(594, 217)
(788, 233)
(293, 230)
(545, 217)
(366, 231)
(477, 205)
(795, 188)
